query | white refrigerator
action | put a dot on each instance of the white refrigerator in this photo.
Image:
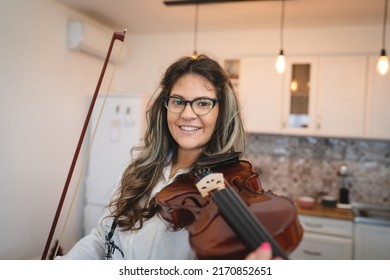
(120, 127)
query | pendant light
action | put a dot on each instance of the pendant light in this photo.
(382, 66)
(195, 53)
(280, 63)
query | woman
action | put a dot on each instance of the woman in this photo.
(196, 114)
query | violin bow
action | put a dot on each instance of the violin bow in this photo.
(116, 36)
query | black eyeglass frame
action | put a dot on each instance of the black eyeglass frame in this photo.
(166, 98)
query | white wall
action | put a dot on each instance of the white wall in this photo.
(150, 54)
(43, 90)
(43, 100)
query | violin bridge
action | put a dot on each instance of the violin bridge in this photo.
(211, 182)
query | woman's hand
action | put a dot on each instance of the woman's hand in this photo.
(264, 252)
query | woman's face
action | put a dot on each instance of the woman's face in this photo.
(191, 131)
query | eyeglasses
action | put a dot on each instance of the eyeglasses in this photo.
(200, 106)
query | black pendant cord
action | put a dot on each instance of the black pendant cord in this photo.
(384, 26)
(244, 222)
(282, 26)
(195, 52)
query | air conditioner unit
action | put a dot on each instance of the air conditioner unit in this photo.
(90, 39)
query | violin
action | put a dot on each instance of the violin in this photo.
(227, 213)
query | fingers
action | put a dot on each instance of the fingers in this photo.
(264, 252)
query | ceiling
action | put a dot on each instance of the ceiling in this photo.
(153, 16)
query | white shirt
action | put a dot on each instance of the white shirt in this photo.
(154, 241)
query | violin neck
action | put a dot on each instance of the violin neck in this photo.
(242, 220)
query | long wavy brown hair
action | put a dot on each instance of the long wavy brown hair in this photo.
(133, 204)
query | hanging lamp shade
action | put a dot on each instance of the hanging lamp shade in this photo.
(280, 63)
(382, 66)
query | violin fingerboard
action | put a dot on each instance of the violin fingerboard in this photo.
(242, 220)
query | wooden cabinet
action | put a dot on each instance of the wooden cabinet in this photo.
(299, 95)
(345, 98)
(260, 95)
(372, 242)
(341, 96)
(335, 98)
(378, 100)
(325, 239)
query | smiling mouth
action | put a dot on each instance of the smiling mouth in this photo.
(189, 128)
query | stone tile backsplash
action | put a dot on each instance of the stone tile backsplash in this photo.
(298, 165)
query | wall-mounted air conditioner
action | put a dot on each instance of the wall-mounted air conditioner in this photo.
(92, 40)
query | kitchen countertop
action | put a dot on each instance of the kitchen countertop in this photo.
(327, 212)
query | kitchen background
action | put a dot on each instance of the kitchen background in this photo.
(45, 88)
(306, 166)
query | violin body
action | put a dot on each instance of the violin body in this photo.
(211, 236)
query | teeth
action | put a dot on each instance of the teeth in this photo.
(189, 128)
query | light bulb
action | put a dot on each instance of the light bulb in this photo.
(382, 66)
(280, 63)
(194, 55)
(294, 86)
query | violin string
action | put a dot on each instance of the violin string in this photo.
(201, 171)
(89, 148)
